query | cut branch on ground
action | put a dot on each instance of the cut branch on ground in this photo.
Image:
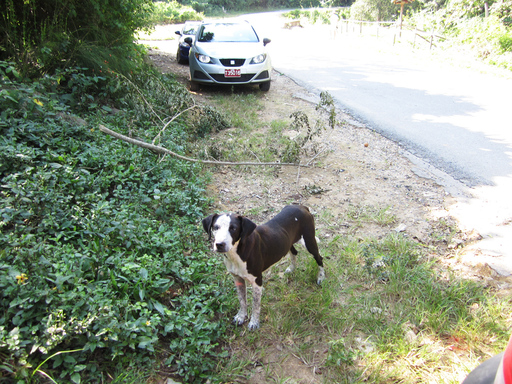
(162, 150)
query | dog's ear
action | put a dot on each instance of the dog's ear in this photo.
(247, 227)
(208, 223)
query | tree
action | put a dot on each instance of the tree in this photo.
(373, 10)
(40, 35)
(502, 9)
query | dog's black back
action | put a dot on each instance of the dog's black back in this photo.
(292, 223)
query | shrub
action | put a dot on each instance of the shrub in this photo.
(100, 259)
(487, 36)
(42, 35)
(373, 10)
(505, 42)
(173, 13)
(502, 9)
(314, 16)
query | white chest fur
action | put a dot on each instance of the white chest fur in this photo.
(236, 266)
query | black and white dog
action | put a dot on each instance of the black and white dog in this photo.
(250, 249)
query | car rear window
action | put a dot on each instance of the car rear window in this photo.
(228, 32)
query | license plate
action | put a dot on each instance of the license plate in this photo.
(232, 72)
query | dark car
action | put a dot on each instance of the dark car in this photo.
(189, 30)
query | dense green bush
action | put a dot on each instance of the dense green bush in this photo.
(101, 261)
(505, 42)
(216, 7)
(463, 22)
(172, 12)
(314, 16)
(489, 38)
(42, 35)
(502, 9)
(374, 10)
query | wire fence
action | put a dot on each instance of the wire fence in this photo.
(389, 29)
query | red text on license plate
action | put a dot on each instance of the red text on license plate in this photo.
(232, 72)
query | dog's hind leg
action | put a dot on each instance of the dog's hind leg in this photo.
(241, 290)
(293, 259)
(321, 275)
(312, 247)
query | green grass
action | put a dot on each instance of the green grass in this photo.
(249, 138)
(371, 214)
(387, 312)
(370, 328)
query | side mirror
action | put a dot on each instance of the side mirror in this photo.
(188, 40)
(178, 33)
(266, 41)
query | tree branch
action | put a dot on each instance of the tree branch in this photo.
(158, 149)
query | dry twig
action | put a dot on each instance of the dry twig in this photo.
(162, 150)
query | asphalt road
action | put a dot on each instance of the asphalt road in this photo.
(455, 123)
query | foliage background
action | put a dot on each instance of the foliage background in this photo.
(99, 247)
(42, 35)
(100, 266)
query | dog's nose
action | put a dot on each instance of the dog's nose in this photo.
(220, 247)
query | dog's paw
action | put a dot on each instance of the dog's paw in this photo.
(239, 319)
(321, 276)
(253, 325)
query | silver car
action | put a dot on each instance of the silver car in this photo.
(230, 53)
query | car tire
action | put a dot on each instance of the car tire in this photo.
(179, 59)
(265, 87)
(194, 87)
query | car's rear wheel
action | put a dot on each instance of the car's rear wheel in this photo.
(179, 59)
(194, 87)
(265, 87)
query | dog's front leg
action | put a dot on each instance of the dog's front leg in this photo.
(257, 291)
(241, 290)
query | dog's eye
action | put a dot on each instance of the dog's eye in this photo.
(215, 227)
(231, 228)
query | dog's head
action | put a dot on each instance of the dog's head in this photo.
(227, 230)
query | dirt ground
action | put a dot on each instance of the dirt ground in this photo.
(355, 169)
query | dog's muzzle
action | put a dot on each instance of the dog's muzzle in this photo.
(220, 247)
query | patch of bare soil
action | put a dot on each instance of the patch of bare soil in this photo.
(355, 169)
